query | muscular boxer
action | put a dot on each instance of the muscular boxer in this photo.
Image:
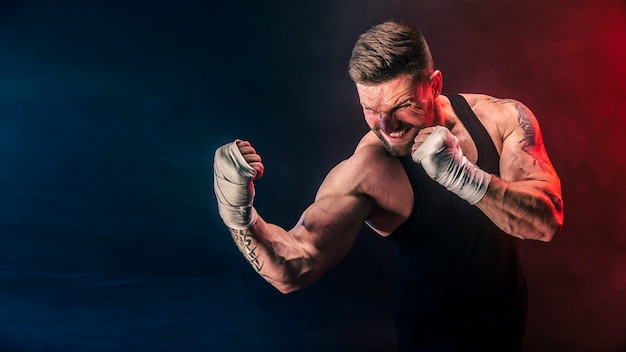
(453, 180)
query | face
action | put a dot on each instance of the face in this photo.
(397, 110)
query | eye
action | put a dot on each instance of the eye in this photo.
(403, 108)
(369, 111)
(414, 108)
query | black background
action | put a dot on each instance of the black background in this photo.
(110, 112)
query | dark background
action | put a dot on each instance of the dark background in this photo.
(110, 112)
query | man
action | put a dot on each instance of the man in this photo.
(454, 181)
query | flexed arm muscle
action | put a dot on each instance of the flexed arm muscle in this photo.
(295, 258)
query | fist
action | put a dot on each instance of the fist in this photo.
(440, 154)
(252, 158)
(435, 148)
(235, 166)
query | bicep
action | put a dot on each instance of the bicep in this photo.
(328, 228)
(524, 156)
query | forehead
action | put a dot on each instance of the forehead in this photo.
(389, 93)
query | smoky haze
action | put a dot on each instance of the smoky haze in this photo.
(110, 113)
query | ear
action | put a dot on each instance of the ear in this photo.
(436, 83)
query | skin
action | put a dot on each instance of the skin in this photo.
(372, 187)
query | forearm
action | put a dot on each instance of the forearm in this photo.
(274, 254)
(291, 260)
(286, 259)
(524, 209)
(530, 208)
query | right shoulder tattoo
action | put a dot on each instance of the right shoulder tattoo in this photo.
(531, 138)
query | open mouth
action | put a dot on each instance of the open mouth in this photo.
(397, 134)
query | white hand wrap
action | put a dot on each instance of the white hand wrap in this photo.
(444, 162)
(232, 180)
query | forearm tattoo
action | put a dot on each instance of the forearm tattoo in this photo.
(247, 244)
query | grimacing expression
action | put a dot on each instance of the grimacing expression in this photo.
(397, 110)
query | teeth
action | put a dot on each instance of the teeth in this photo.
(398, 133)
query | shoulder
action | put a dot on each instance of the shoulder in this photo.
(500, 115)
(369, 171)
(523, 153)
(371, 156)
(491, 107)
(369, 163)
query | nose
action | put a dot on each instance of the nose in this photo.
(388, 122)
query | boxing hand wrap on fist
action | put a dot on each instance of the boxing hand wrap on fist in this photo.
(232, 180)
(442, 159)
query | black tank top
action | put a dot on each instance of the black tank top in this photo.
(460, 285)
